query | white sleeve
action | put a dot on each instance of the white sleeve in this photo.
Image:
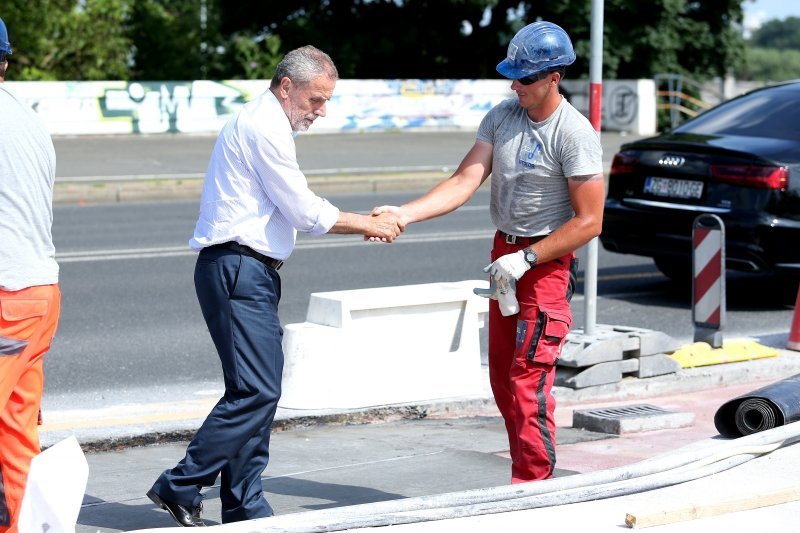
(274, 161)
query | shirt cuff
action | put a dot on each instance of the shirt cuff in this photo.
(328, 216)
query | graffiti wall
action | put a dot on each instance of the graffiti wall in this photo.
(75, 108)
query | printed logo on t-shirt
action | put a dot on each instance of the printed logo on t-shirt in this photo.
(530, 156)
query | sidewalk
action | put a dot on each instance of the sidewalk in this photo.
(330, 459)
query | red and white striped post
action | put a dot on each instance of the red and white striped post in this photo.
(794, 333)
(708, 282)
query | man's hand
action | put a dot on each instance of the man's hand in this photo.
(505, 294)
(384, 227)
(509, 267)
(387, 210)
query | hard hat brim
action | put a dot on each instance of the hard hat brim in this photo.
(507, 69)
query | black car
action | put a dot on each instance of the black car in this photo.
(739, 160)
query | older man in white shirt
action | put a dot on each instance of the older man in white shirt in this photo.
(255, 199)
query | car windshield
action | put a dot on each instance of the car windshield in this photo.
(771, 113)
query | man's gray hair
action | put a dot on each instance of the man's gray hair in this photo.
(304, 64)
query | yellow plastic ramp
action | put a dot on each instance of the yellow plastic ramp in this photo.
(702, 354)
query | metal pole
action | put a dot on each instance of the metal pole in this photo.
(595, 99)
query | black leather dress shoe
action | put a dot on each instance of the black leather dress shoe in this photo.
(184, 516)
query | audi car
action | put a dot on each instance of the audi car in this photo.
(739, 161)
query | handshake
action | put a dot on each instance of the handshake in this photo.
(503, 273)
(385, 224)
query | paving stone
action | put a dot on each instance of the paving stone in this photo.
(599, 374)
(656, 365)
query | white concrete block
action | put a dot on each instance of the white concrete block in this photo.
(385, 345)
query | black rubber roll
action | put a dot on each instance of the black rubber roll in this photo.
(764, 408)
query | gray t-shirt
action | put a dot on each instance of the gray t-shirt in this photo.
(531, 162)
(27, 174)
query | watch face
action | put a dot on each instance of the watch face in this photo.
(530, 257)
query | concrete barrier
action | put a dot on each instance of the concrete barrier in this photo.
(383, 346)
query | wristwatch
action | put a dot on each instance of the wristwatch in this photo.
(531, 257)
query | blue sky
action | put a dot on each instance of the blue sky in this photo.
(759, 11)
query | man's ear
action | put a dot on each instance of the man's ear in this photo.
(284, 86)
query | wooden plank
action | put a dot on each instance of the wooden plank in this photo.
(712, 508)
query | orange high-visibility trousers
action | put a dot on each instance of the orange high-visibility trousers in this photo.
(28, 320)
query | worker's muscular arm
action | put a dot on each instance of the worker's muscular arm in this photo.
(452, 192)
(587, 194)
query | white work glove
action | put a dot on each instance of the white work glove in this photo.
(510, 267)
(505, 294)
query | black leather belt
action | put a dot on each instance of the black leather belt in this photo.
(525, 241)
(246, 250)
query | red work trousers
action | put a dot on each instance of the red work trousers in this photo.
(523, 350)
(28, 320)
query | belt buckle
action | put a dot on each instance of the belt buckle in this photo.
(510, 239)
(278, 264)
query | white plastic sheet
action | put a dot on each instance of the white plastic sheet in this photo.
(55, 488)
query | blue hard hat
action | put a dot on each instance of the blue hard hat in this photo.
(5, 46)
(536, 48)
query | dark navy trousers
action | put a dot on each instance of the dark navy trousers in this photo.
(239, 298)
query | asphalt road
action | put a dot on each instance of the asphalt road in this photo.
(130, 320)
(147, 156)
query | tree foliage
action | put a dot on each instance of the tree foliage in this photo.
(773, 52)
(770, 64)
(779, 34)
(698, 39)
(66, 39)
(389, 39)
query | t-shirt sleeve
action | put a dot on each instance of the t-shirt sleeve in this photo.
(486, 129)
(582, 154)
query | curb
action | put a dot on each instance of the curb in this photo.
(136, 424)
(189, 187)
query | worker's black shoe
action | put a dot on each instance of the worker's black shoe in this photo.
(184, 516)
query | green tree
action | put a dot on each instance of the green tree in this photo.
(389, 39)
(175, 39)
(770, 64)
(256, 56)
(641, 39)
(779, 34)
(67, 39)
(466, 38)
(386, 38)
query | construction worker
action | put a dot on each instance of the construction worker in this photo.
(547, 195)
(29, 293)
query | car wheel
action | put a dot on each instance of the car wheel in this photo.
(677, 270)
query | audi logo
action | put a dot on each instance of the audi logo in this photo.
(671, 161)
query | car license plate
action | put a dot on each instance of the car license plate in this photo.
(673, 188)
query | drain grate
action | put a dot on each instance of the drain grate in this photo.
(630, 419)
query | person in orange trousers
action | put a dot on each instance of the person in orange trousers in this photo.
(28, 320)
(30, 299)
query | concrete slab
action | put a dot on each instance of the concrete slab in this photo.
(320, 468)
(632, 418)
